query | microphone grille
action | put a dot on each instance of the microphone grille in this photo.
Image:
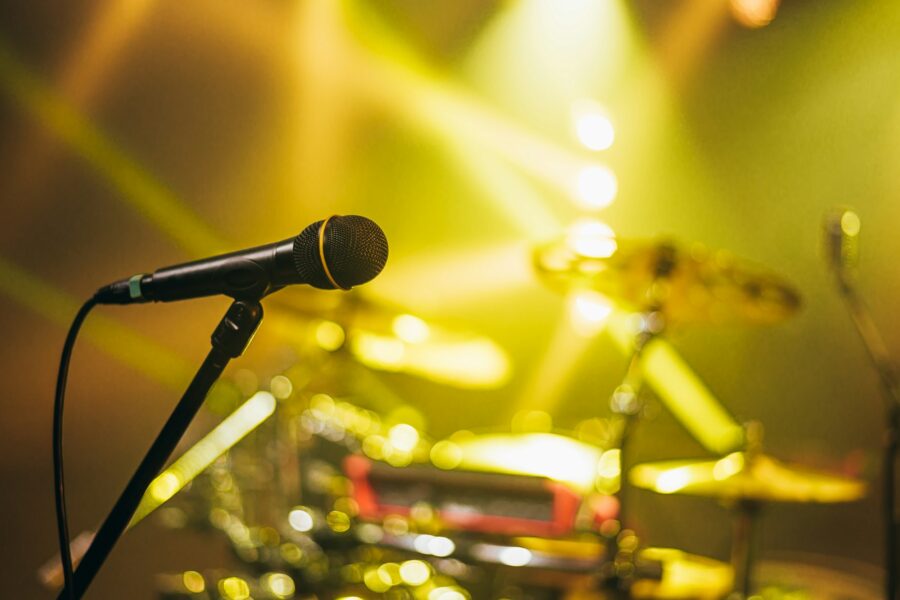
(352, 251)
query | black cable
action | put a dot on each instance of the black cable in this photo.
(59, 484)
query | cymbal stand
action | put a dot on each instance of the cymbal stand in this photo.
(626, 403)
(745, 532)
(743, 546)
(890, 386)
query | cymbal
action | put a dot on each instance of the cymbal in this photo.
(678, 575)
(390, 339)
(743, 476)
(688, 284)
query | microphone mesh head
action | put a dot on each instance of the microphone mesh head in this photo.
(355, 251)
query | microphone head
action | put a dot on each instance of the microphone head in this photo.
(340, 252)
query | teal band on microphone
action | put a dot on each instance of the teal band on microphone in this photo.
(134, 286)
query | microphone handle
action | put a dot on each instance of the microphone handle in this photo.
(243, 275)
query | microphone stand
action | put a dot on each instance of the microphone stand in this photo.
(887, 374)
(229, 340)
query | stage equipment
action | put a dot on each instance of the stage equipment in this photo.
(841, 238)
(686, 284)
(390, 339)
(745, 481)
(350, 252)
(489, 503)
(335, 253)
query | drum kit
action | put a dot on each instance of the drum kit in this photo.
(332, 500)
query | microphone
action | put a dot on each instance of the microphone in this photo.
(841, 239)
(335, 253)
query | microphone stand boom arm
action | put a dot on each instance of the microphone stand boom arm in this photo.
(229, 340)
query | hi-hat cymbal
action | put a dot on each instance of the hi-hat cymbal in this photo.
(687, 284)
(742, 476)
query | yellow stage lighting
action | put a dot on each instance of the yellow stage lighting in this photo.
(476, 363)
(754, 13)
(588, 312)
(139, 188)
(234, 588)
(547, 455)
(591, 238)
(202, 454)
(596, 187)
(592, 126)
(679, 388)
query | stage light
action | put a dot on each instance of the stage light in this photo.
(381, 352)
(292, 553)
(410, 329)
(389, 573)
(754, 13)
(434, 545)
(403, 437)
(193, 582)
(592, 126)
(374, 582)
(329, 335)
(591, 238)
(338, 521)
(544, 388)
(596, 187)
(415, 572)
(446, 455)
(547, 455)
(281, 387)
(588, 312)
(515, 556)
(448, 593)
(301, 519)
(609, 466)
(279, 584)
(673, 480)
(234, 588)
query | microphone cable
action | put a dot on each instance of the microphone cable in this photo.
(62, 524)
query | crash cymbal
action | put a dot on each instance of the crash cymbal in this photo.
(745, 476)
(688, 284)
(390, 339)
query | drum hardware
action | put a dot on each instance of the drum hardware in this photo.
(666, 284)
(745, 482)
(841, 239)
(689, 285)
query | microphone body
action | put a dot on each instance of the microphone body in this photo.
(335, 253)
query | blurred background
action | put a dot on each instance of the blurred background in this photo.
(139, 134)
